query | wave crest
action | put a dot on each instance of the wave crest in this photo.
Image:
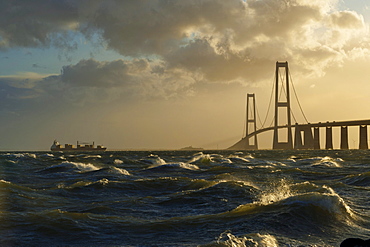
(67, 166)
(119, 171)
(249, 240)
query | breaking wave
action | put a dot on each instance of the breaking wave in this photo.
(76, 166)
(175, 198)
(250, 240)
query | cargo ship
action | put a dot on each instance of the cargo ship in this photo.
(69, 147)
(191, 148)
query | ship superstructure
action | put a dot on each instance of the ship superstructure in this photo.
(69, 147)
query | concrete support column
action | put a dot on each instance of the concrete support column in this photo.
(363, 137)
(329, 138)
(297, 137)
(316, 138)
(307, 141)
(308, 138)
(344, 137)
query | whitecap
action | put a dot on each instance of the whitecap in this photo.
(47, 155)
(12, 161)
(120, 171)
(239, 159)
(154, 160)
(181, 165)
(223, 160)
(21, 155)
(93, 156)
(4, 181)
(103, 181)
(330, 202)
(189, 166)
(305, 193)
(253, 239)
(277, 192)
(201, 158)
(82, 167)
(61, 158)
(328, 162)
(31, 155)
(85, 167)
(117, 161)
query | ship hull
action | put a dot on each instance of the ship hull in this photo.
(78, 149)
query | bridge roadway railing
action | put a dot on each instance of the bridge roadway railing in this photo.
(312, 141)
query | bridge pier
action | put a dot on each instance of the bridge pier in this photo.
(308, 140)
(303, 135)
(329, 137)
(363, 137)
(316, 138)
(344, 137)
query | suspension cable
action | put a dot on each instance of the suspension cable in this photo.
(270, 103)
(282, 86)
(259, 118)
(295, 93)
(291, 111)
(245, 119)
(286, 94)
(269, 106)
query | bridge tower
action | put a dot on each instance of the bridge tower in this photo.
(282, 104)
(250, 125)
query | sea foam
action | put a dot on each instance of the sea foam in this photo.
(249, 240)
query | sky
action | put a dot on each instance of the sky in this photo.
(159, 74)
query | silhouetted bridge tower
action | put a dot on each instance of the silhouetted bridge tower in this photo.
(306, 136)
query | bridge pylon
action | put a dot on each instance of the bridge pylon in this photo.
(303, 138)
(250, 125)
(282, 104)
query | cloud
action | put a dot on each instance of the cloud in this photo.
(154, 27)
(37, 23)
(22, 79)
(93, 73)
(91, 81)
(172, 45)
(347, 20)
(137, 76)
(230, 41)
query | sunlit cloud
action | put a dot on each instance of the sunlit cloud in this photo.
(173, 49)
(208, 40)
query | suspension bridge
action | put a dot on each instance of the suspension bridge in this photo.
(307, 135)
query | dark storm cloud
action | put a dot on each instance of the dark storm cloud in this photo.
(95, 81)
(136, 75)
(102, 74)
(36, 23)
(156, 27)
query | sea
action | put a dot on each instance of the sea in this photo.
(184, 198)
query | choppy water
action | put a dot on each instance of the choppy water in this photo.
(183, 198)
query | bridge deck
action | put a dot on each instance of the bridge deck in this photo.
(319, 124)
(312, 125)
